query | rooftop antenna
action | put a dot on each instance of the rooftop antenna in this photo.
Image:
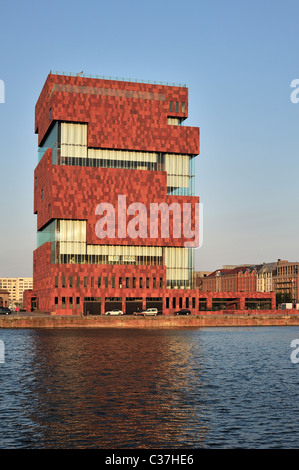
(80, 73)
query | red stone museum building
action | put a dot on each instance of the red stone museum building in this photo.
(114, 158)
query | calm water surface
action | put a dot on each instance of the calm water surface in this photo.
(127, 388)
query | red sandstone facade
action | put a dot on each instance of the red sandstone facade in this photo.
(99, 140)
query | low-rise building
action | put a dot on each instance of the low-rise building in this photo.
(239, 279)
(286, 280)
(198, 275)
(265, 277)
(16, 286)
(4, 298)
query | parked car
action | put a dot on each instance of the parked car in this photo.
(149, 311)
(115, 311)
(183, 311)
(5, 311)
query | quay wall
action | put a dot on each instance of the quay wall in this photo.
(214, 319)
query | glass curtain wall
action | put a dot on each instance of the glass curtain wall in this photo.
(69, 147)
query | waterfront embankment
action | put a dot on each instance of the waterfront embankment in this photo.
(211, 319)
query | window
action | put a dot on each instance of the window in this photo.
(147, 282)
(99, 281)
(127, 283)
(63, 281)
(170, 106)
(49, 208)
(85, 281)
(161, 282)
(193, 302)
(180, 302)
(134, 282)
(92, 282)
(140, 282)
(177, 107)
(167, 302)
(71, 281)
(183, 108)
(71, 302)
(42, 194)
(174, 302)
(78, 281)
(56, 302)
(63, 302)
(106, 282)
(78, 302)
(120, 282)
(154, 283)
(113, 282)
(187, 302)
(56, 281)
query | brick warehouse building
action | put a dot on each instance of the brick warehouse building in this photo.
(238, 279)
(106, 148)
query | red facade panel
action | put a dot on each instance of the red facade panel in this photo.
(45, 273)
(120, 115)
(75, 192)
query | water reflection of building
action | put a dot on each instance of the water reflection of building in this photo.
(128, 388)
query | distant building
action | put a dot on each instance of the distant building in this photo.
(16, 286)
(239, 279)
(198, 275)
(286, 280)
(4, 298)
(265, 277)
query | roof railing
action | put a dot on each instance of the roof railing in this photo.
(118, 79)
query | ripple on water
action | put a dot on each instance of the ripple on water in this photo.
(215, 387)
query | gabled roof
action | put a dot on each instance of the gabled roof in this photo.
(242, 269)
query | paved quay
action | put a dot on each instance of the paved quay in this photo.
(209, 319)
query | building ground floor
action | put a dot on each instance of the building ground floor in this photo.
(167, 302)
(93, 289)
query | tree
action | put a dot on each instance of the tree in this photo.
(283, 298)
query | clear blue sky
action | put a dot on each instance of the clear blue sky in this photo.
(237, 58)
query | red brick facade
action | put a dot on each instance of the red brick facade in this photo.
(74, 192)
(119, 116)
(240, 279)
(197, 301)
